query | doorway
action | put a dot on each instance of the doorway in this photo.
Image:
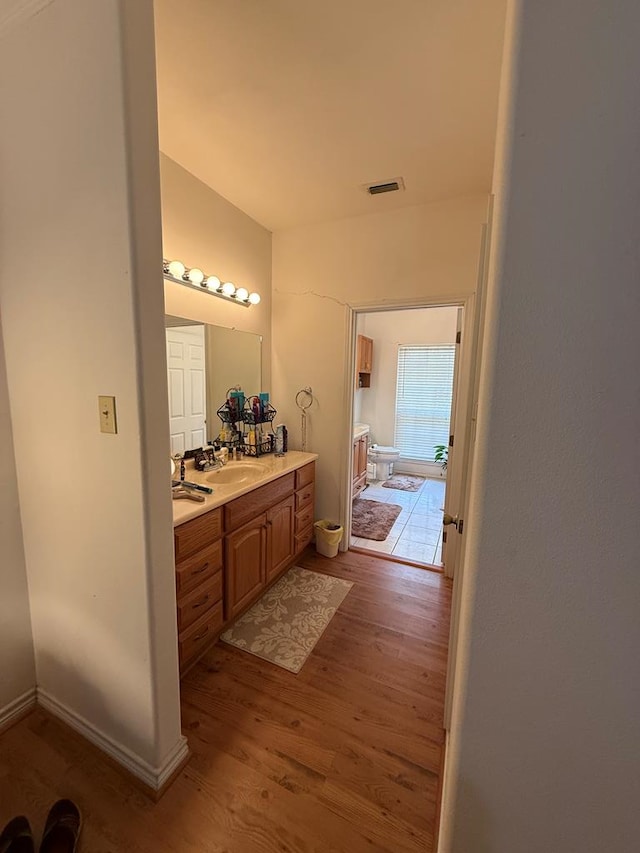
(402, 405)
(407, 342)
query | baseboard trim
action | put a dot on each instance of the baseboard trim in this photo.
(391, 558)
(17, 709)
(430, 470)
(153, 778)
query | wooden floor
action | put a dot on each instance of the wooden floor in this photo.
(344, 756)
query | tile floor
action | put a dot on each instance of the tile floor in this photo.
(417, 532)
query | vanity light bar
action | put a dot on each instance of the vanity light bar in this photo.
(176, 271)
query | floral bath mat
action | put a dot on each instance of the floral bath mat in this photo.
(287, 622)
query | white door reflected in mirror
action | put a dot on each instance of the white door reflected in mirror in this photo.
(187, 387)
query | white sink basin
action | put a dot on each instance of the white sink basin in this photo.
(237, 472)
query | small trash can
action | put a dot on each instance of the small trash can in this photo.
(328, 536)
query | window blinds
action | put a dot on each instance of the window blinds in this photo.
(424, 391)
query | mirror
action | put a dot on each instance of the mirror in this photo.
(203, 362)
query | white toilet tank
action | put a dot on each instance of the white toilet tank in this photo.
(383, 453)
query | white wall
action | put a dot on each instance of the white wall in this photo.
(202, 229)
(17, 667)
(544, 746)
(412, 254)
(81, 246)
(389, 330)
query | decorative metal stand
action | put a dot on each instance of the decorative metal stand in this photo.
(265, 441)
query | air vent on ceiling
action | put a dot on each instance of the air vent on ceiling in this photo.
(391, 186)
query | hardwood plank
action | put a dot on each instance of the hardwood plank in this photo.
(382, 825)
(345, 756)
(295, 737)
(319, 716)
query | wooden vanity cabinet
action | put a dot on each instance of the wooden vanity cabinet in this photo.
(258, 553)
(231, 554)
(251, 536)
(360, 454)
(199, 583)
(304, 506)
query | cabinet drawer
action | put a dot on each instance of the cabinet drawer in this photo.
(242, 510)
(198, 636)
(198, 568)
(305, 475)
(199, 601)
(304, 519)
(303, 539)
(304, 497)
(198, 533)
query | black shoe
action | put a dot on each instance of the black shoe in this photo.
(16, 837)
(62, 828)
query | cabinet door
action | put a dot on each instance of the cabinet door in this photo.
(356, 460)
(367, 355)
(364, 354)
(360, 448)
(280, 542)
(245, 567)
(360, 353)
(364, 360)
(362, 456)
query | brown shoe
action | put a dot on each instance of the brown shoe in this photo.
(16, 837)
(62, 828)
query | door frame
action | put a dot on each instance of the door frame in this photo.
(467, 303)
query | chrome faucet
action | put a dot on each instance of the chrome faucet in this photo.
(212, 459)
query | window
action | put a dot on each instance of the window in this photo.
(424, 391)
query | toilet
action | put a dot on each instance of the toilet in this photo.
(383, 458)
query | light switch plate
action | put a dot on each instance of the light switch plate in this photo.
(107, 409)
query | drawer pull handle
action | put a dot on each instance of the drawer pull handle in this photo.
(200, 603)
(201, 569)
(201, 636)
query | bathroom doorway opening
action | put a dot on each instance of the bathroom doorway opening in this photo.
(409, 383)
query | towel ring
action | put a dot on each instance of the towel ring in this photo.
(303, 396)
(304, 392)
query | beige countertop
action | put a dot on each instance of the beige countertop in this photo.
(273, 467)
(360, 430)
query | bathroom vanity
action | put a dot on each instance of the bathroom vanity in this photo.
(238, 542)
(360, 453)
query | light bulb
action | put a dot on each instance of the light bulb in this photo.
(242, 293)
(177, 269)
(196, 276)
(213, 282)
(254, 298)
(228, 288)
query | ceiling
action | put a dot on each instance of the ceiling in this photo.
(288, 107)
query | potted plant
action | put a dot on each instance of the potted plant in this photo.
(441, 455)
